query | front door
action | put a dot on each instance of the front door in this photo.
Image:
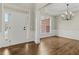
(15, 27)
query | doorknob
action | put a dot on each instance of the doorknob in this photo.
(24, 28)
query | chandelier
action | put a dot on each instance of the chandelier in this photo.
(68, 14)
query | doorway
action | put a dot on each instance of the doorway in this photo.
(15, 27)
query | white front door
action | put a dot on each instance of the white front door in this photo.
(17, 30)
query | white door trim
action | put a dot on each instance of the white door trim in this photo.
(37, 28)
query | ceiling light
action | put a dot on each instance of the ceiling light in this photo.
(68, 14)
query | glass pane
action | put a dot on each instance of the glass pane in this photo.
(45, 25)
(6, 25)
(6, 17)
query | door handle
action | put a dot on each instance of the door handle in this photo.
(24, 28)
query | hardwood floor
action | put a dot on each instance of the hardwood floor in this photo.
(48, 46)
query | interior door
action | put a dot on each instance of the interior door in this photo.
(17, 30)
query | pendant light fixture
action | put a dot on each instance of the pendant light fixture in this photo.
(68, 14)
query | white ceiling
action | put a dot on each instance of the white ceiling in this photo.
(18, 6)
(58, 8)
(21, 5)
(52, 8)
(40, 5)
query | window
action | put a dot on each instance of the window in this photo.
(6, 25)
(6, 17)
(45, 25)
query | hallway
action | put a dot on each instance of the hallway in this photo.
(48, 46)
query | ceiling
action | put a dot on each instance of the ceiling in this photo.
(59, 8)
(47, 8)
(18, 6)
(21, 5)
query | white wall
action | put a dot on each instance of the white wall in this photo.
(40, 5)
(69, 29)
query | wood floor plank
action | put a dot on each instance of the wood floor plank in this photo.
(48, 46)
